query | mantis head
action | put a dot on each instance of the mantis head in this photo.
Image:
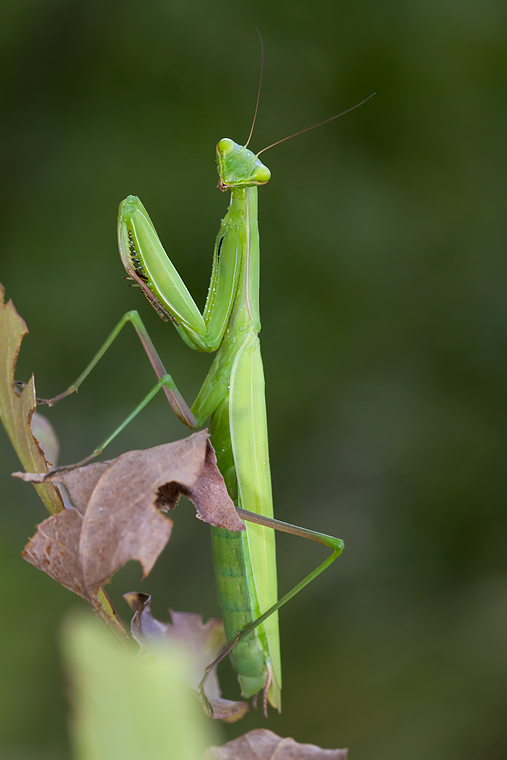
(239, 167)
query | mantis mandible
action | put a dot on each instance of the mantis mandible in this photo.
(231, 397)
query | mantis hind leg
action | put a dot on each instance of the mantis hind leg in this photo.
(336, 544)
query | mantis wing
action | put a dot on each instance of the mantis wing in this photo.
(249, 435)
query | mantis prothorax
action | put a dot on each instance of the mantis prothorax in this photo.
(231, 397)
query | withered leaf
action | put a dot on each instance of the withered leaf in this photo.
(211, 498)
(36, 445)
(187, 467)
(262, 744)
(55, 548)
(17, 408)
(202, 641)
(118, 504)
(81, 482)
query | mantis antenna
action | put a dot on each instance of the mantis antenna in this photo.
(258, 91)
(336, 116)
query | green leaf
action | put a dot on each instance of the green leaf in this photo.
(128, 707)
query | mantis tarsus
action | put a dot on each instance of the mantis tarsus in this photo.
(232, 398)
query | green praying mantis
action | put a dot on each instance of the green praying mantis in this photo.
(231, 398)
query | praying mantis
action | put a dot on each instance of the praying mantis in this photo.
(231, 398)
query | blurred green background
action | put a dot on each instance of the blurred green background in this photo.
(384, 334)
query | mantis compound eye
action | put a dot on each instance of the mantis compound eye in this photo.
(261, 174)
(225, 147)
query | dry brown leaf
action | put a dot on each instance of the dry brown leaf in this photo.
(187, 467)
(55, 548)
(117, 516)
(81, 482)
(17, 409)
(36, 445)
(265, 745)
(211, 498)
(203, 642)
